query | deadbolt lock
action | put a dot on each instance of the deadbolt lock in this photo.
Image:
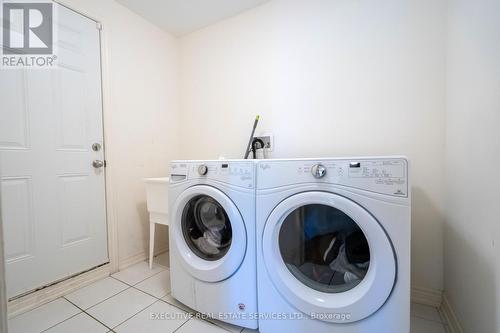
(96, 146)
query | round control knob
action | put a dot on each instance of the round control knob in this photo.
(318, 171)
(202, 170)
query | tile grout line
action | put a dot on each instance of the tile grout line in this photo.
(39, 306)
(45, 330)
(208, 322)
(163, 269)
(191, 313)
(134, 286)
(91, 316)
(194, 312)
(135, 314)
(143, 291)
(177, 306)
(129, 286)
(104, 300)
(184, 323)
(222, 328)
(161, 300)
(158, 298)
(107, 298)
(78, 307)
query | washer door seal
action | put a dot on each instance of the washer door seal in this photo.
(223, 264)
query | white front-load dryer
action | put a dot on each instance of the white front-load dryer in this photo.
(212, 238)
(333, 245)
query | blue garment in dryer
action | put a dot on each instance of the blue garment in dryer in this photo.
(321, 220)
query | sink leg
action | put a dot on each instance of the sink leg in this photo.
(151, 243)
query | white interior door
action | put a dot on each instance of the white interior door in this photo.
(53, 198)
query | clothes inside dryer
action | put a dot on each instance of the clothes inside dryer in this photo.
(206, 228)
(324, 248)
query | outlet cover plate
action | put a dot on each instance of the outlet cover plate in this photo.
(268, 139)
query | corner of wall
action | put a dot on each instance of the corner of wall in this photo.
(426, 296)
(449, 316)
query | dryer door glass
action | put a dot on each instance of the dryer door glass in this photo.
(324, 248)
(206, 228)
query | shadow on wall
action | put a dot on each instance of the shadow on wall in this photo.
(161, 234)
(480, 273)
(429, 257)
(142, 212)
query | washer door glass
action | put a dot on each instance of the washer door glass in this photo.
(324, 248)
(206, 228)
(328, 256)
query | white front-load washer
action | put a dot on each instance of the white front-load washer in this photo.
(333, 245)
(212, 238)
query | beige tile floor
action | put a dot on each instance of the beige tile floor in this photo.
(125, 301)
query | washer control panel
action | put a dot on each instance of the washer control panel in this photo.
(386, 176)
(237, 173)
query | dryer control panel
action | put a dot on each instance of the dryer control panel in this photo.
(238, 173)
(379, 175)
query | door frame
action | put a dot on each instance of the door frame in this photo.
(3, 291)
(60, 288)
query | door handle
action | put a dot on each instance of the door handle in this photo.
(98, 164)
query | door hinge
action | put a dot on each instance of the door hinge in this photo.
(98, 25)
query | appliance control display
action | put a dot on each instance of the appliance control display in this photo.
(377, 175)
(377, 169)
(235, 173)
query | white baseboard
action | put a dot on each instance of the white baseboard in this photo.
(426, 296)
(50, 293)
(139, 257)
(420, 295)
(437, 299)
(453, 326)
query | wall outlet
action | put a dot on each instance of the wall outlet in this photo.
(268, 140)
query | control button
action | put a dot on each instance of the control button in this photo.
(318, 171)
(202, 170)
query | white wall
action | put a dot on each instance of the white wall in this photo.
(472, 227)
(142, 134)
(329, 78)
